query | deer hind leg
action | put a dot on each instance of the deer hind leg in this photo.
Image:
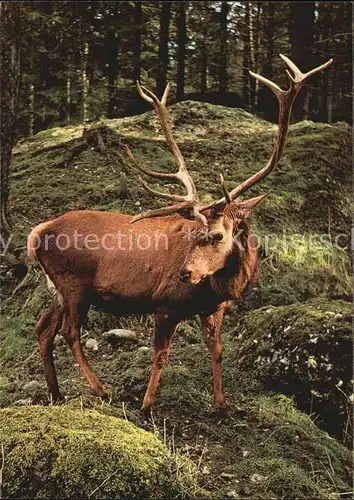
(46, 328)
(165, 327)
(74, 316)
(212, 335)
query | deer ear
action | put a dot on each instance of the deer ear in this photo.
(218, 210)
(248, 206)
(187, 213)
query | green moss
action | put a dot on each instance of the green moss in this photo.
(64, 453)
(278, 472)
(17, 329)
(282, 454)
(300, 266)
(275, 451)
(303, 350)
(17, 339)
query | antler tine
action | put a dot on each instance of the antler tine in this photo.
(165, 95)
(224, 189)
(152, 173)
(160, 107)
(286, 99)
(158, 212)
(166, 196)
(182, 175)
(319, 68)
(273, 86)
(297, 73)
(144, 95)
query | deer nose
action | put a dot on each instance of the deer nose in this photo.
(185, 276)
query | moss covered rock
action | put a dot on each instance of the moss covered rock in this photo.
(58, 452)
(303, 350)
(280, 453)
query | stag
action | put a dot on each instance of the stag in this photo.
(201, 259)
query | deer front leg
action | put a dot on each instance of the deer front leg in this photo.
(163, 333)
(212, 335)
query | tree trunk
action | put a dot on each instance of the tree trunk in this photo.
(137, 41)
(161, 78)
(302, 24)
(112, 50)
(256, 54)
(252, 81)
(85, 81)
(246, 58)
(269, 41)
(68, 92)
(9, 82)
(181, 53)
(223, 77)
(330, 93)
(31, 110)
(203, 67)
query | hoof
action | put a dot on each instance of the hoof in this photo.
(56, 399)
(101, 392)
(221, 410)
(240, 413)
(147, 412)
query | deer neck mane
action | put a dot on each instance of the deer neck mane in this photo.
(241, 266)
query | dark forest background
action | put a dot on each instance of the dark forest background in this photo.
(66, 63)
(78, 61)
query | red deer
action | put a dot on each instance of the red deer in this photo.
(201, 259)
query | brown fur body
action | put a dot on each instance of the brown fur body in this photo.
(128, 280)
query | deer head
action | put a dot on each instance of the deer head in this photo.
(217, 223)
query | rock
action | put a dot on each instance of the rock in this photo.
(227, 475)
(59, 341)
(32, 387)
(205, 470)
(85, 448)
(306, 361)
(91, 344)
(144, 348)
(22, 402)
(119, 336)
(232, 494)
(257, 478)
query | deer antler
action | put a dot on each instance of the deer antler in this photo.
(188, 202)
(286, 99)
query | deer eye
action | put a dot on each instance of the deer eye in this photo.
(217, 236)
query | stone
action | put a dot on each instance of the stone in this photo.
(22, 402)
(144, 348)
(227, 475)
(257, 478)
(119, 335)
(32, 387)
(91, 344)
(232, 494)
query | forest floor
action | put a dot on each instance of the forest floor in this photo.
(287, 345)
